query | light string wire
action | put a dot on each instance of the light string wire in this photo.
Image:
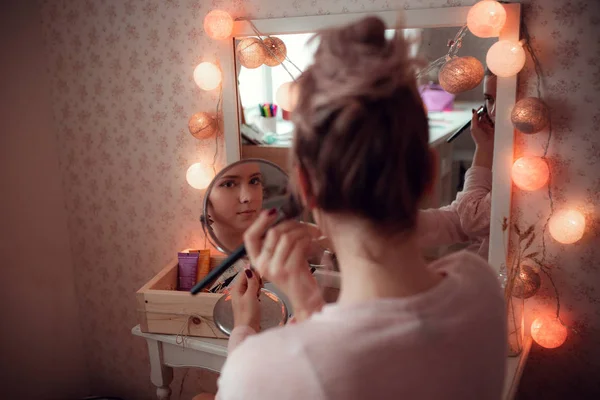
(542, 263)
(454, 46)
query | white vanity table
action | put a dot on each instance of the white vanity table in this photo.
(165, 354)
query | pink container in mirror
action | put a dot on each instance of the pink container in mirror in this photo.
(435, 98)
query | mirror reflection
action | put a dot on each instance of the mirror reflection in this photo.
(235, 198)
(266, 129)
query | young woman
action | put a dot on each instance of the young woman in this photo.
(401, 328)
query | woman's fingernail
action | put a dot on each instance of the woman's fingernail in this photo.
(249, 273)
(272, 212)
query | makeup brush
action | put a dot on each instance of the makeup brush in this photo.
(480, 111)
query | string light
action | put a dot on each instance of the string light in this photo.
(530, 173)
(506, 58)
(207, 76)
(527, 283)
(486, 19)
(251, 53)
(287, 96)
(461, 74)
(218, 24)
(276, 51)
(530, 115)
(198, 176)
(548, 332)
(567, 226)
(202, 125)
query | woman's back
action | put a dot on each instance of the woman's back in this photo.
(446, 343)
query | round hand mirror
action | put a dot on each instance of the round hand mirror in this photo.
(233, 201)
(235, 198)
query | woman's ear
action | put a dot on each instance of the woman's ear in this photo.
(304, 187)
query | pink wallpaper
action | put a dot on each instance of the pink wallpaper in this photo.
(122, 89)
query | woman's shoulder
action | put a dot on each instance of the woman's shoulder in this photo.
(464, 262)
(470, 271)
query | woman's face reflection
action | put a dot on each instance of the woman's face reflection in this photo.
(236, 198)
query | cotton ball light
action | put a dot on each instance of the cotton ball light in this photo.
(275, 51)
(251, 52)
(198, 176)
(530, 173)
(548, 332)
(567, 226)
(202, 125)
(530, 115)
(527, 283)
(207, 76)
(486, 19)
(218, 24)
(287, 96)
(461, 74)
(506, 58)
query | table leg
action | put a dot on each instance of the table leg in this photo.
(160, 374)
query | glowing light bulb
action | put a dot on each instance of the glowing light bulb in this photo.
(207, 76)
(506, 58)
(530, 173)
(486, 19)
(548, 332)
(287, 96)
(567, 226)
(198, 176)
(218, 24)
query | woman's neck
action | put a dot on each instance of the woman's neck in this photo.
(374, 267)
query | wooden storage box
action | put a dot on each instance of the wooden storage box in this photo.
(163, 309)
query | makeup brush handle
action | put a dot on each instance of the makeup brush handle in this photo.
(220, 269)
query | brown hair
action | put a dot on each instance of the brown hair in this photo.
(361, 129)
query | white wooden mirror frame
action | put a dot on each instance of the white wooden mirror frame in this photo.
(424, 18)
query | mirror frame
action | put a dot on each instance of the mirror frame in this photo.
(208, 235)
(422, 18)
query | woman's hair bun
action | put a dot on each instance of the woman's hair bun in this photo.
(369, 31)
(361, 128)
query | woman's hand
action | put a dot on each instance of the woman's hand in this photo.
(244, 300)
(280, 257)
(482, 131)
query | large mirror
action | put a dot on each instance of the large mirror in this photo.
(266, 130)
(266, 134)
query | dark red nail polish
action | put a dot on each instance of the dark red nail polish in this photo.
(249, 273)
(272, 212)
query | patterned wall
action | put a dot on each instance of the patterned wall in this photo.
(121, 75)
